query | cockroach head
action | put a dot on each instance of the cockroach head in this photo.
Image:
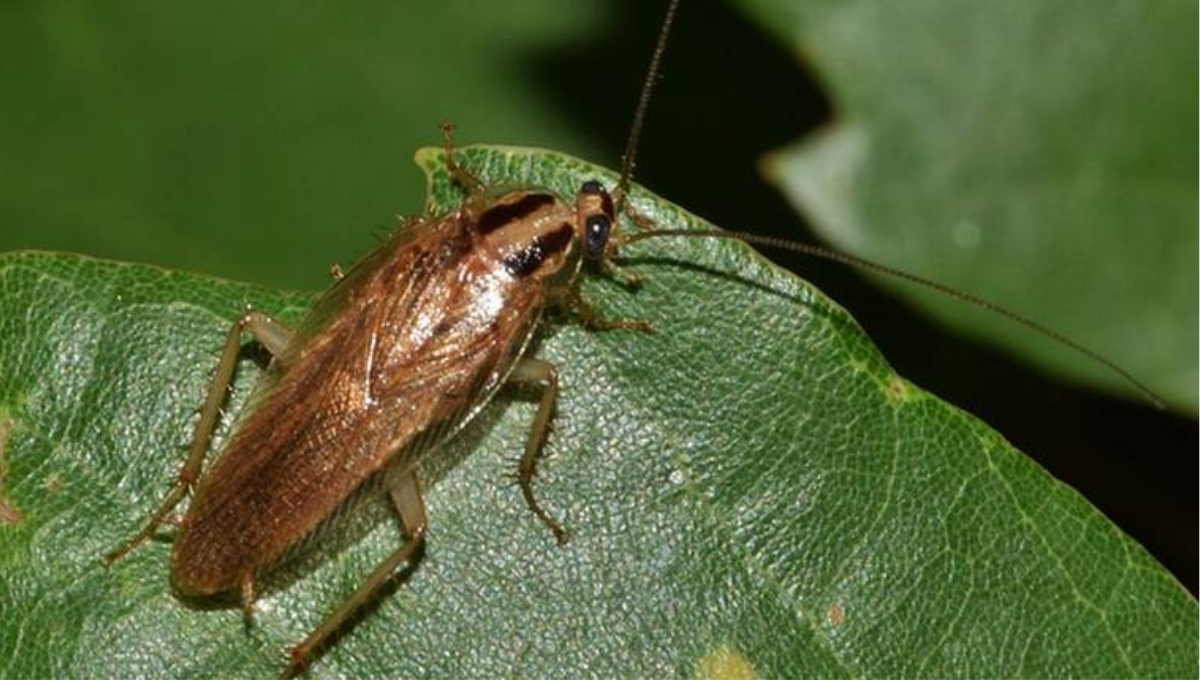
(594, 206)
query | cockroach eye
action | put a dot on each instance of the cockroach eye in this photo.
(597, 229)
(591, 187)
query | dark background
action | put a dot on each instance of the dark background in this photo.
(266, 144)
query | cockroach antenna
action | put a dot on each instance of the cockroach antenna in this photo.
(856, 262)
(628, 158)
(627, 167)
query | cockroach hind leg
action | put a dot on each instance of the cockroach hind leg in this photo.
(274, 337)
(458, 174)
(247, 592)
(405, 492)
(542, 372)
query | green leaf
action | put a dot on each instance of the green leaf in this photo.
(749, 489)
(253, 140)
(1037, 154)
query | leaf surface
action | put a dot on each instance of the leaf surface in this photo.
(750, 488)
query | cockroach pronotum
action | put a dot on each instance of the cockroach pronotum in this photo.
(395, 358)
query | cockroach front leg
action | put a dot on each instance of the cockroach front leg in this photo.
(542, 372)
(621, 275)
(457, 173)
(639, 218)
(405, 492)
(270, 334)
(607, 266)
(580, 307)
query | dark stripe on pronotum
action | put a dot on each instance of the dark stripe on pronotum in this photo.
(523, 262)
(497, 216)
(557, 240)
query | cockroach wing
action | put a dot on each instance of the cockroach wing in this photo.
(332, 302)
(394, 359)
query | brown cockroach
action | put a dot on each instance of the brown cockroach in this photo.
(396, 357)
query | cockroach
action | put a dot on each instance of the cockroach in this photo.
(401, 353)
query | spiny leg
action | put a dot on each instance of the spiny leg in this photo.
(405, 492)
(248, 596)
(271, 335)
(457, 173)
(639, 218)
(588, 318)
(607, 266)
(530, 370)
(622, 275)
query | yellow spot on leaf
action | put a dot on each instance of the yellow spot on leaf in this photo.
(8, 513)
(836, 614)
(898, 389)
(724, 663)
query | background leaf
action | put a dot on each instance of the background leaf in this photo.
(1038, 154)
(750, 486)
(256, 142)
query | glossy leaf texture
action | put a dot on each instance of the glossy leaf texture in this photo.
(1038, 154)
(748, 489)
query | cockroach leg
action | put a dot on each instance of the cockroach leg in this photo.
(248, 597)
(587, 317)
(622, 275)
(274, 337)
(457, 173)
(619, 239)
(405, 492)
(271, 334)
(639, 218)
(535, 370)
